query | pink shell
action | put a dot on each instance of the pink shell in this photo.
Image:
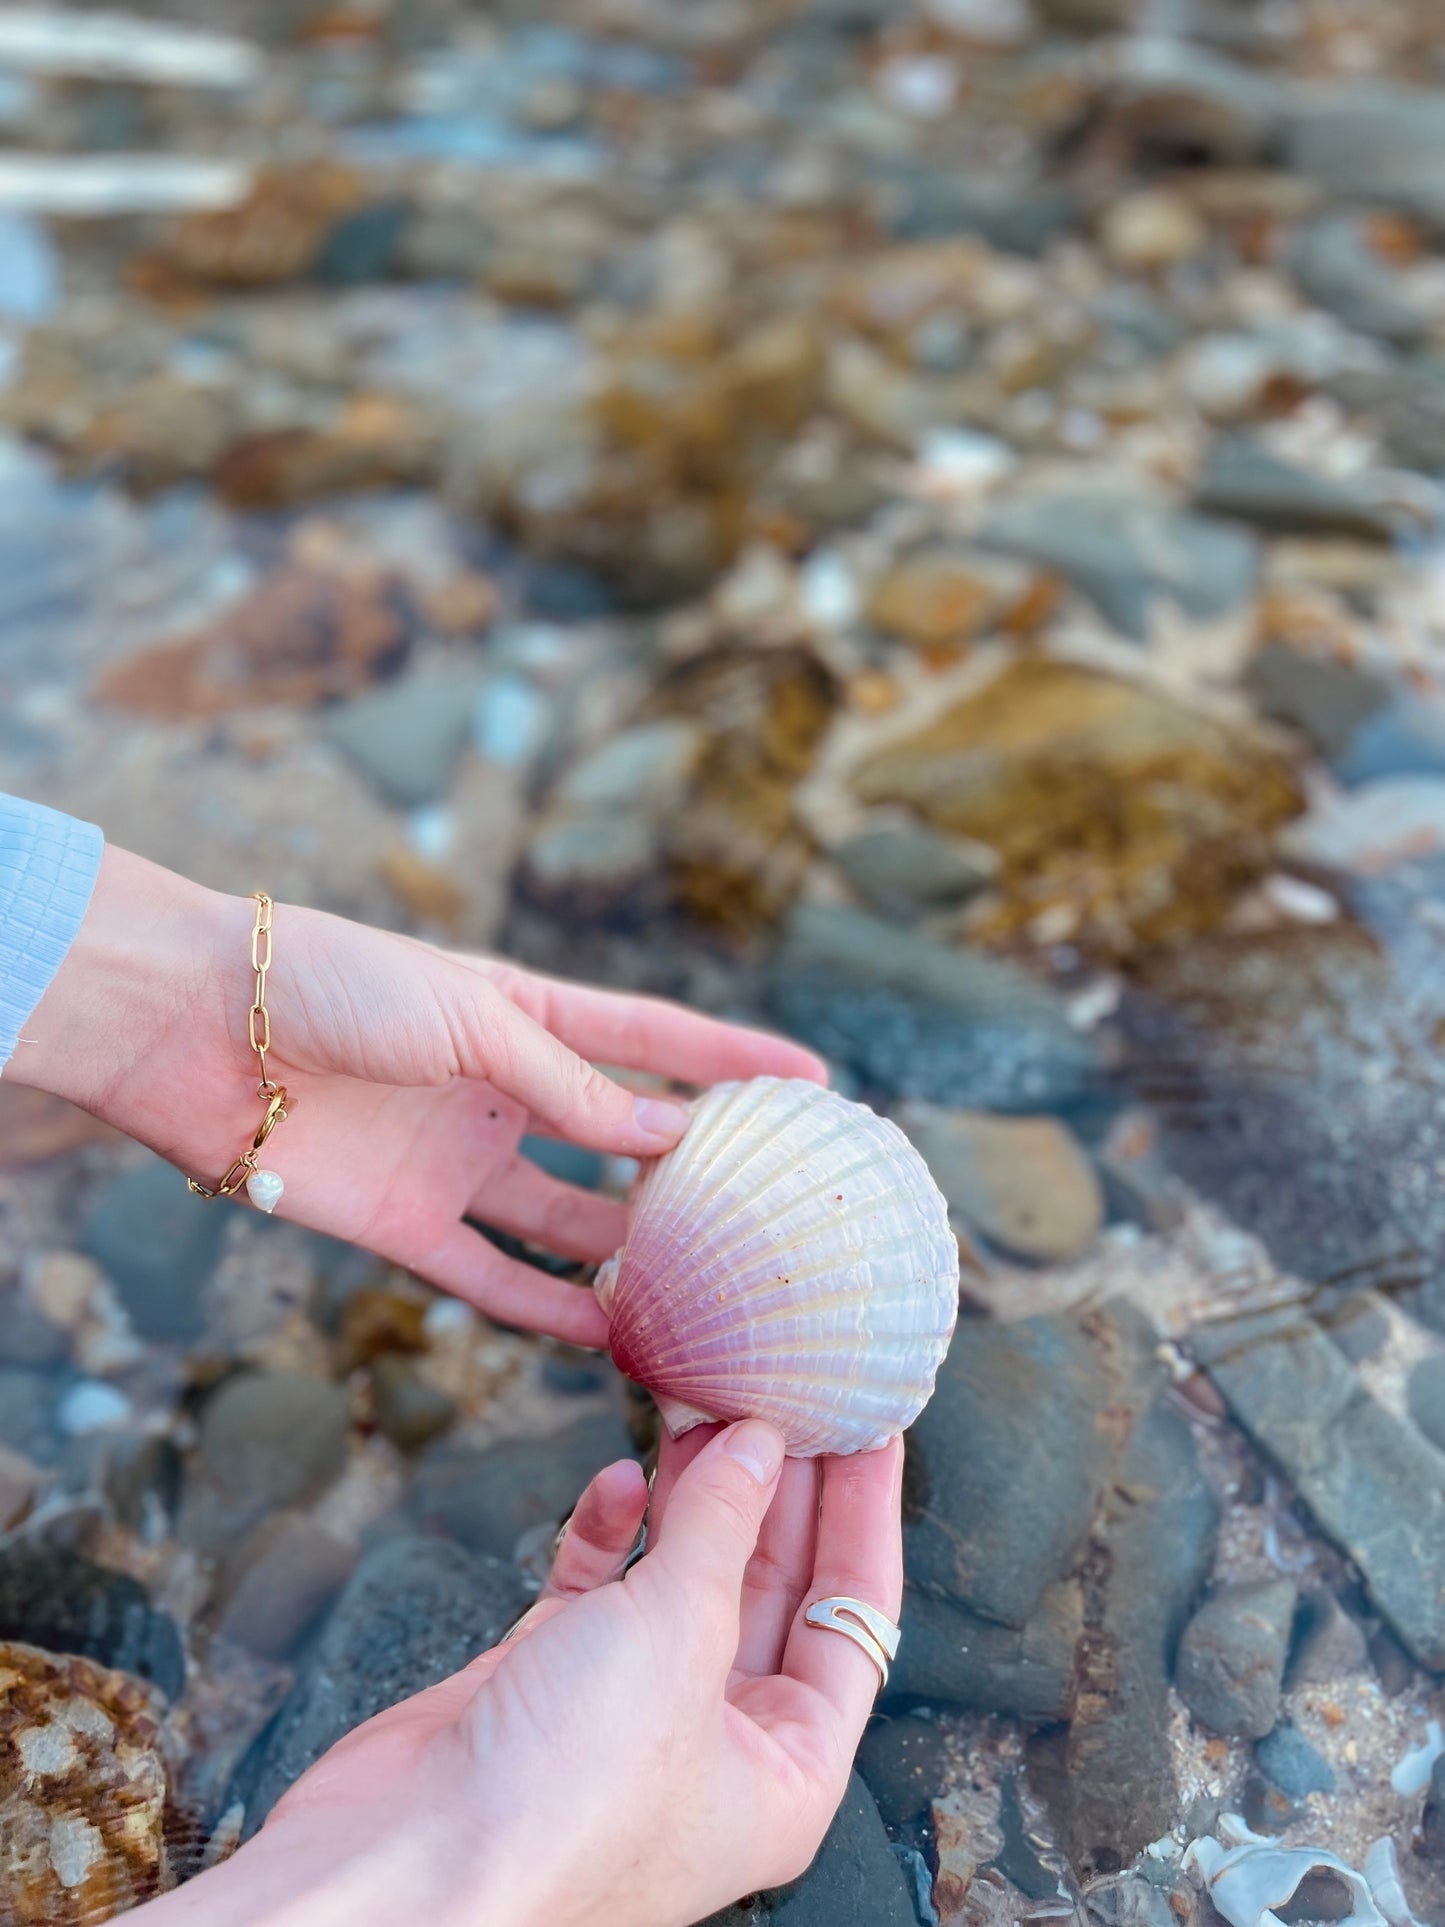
(791, 1260)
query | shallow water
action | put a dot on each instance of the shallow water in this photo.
(917, 525)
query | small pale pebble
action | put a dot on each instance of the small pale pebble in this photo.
(448, 1317)
(264, 1189)
(1300, 901)
(92, 1406)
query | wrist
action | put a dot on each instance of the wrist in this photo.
(147, 956)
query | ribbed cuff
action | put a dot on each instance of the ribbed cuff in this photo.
(48, 867)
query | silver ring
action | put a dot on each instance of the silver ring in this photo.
(872, 1633)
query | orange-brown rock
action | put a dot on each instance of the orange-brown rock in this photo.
(374, 442)
(274, 235)
(302, 636)
(1121, 818)
(82, 1791)
(934, 603)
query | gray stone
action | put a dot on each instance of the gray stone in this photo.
(1129, 1901)
(267, 1440)
(1124, 552)
(158, 1246)
(951, 1657)
(916, 1018)
(1393, 1666)
(1263, 1808)
(276, 1586)
(905, 1761)
(1432, 1819)
(1372, 1484)
(20, 1480)
(64, 1603)
(1006, 1463)
(1426, 1395)
(1112, 1788)
(408, 737)
(571, 1163)
(642, 770)
(27, 1338)
(27, 1411)
(1242, 478)
(416, 1611)
(408, 1410)
(1177, 99)
(907, 870)
(1024, 1183)
(1289, 1762)
(1328, 1643)
(855, 1877)
(486, 1500)
(1335, 266)
(1359, 1327)
(1019, 218)
(1325, 698)
(1230, 1665)
(1404, 737)
(140, 1473)
(1371, 141)
(363, 246)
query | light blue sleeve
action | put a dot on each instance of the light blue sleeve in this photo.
(48, 865)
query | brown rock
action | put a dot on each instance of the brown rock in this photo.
(427, 890)
(35, 1126)
(375, 442)
(1024, 1182)
(376, 1321)
(301, 636)
(966, 1837)
(274, 235)
(1120, 816)
(464, 605)
(934, 603)
(19, 1483)
(82, 1791)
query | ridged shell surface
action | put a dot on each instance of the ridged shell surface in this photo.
(791, 1260)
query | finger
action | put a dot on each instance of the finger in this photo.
(860, 1556)
(599, 1537)
(464, 1263)
(496, 1040)
(674, 1456)
(530, 1204)
(781, 1570)
(713, 1516)
(649, 1034)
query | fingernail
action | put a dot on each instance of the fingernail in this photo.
(756, 1446)
(660, 1118)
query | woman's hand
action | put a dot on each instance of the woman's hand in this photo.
(641, 1751)
(412, 1075)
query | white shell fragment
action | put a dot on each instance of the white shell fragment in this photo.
(1247, 1883)
(791, 1260)
(264, 1189)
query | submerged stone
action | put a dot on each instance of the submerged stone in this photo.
(1230, 1666)
(158, 1246)
(66, 1604)
(1119, 816)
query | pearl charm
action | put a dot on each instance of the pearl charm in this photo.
(264, 1189)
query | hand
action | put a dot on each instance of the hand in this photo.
(412, 1075)
(642, 1751)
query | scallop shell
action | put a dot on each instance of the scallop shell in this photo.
(791, 1260)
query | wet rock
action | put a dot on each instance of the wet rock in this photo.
(905, 1759)
(20, 1480)
(1327, 698)
(83, 1789)
(1393, 1666)
(1373, 829)
(303, 635)
(1015, 217)
(1179, 100)
(1264, 1808)
(1371, 141)
(159, 1248)
(1336, 264)
(1372, 1484)
(365, 245)
(408, 738)
(276, 234)
(1359, 1328)
(414, 1612)
(1109, 1781)
(917, 1019)
(487, 1500)
(64, 1603)
(267, 1440)
(376, 1320)
(1289, 1762)
(951, 1657)
(854, 1877)
(1125, 552)
(1118, 814)
(1327, 1644)
(1230, 1666)
(1130, 1901)
(904, 871)
(1024, 1182)
(1432, 1819)
(277, 1584)
(27, 1410)
(1242, 478)
(937, 603)
(409, 1411)
(1426, 1394)
(1404, 737)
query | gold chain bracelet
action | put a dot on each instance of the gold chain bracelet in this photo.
(264, 1188)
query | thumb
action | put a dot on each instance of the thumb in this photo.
(716, 1510)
